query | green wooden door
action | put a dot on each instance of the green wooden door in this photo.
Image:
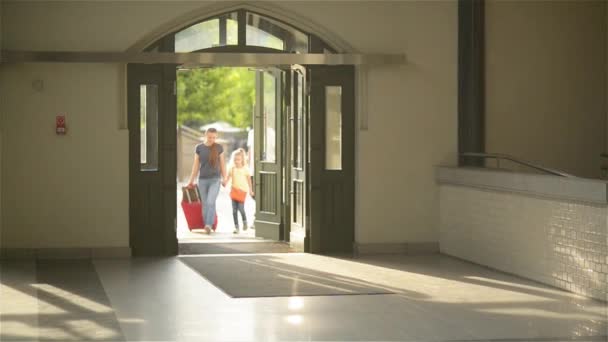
(152, 159)
(298, 156)
(269, 169)
(332, 159)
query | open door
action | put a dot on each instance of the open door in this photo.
(298, 156)
(268, 128)
(152, 113)
(332, 160)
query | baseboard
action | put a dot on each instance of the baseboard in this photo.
(407, 248)
(65, 253)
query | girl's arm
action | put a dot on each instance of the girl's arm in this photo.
(251, 193)
(195, 166)
(229, 175)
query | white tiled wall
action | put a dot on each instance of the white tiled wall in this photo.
(560, 243)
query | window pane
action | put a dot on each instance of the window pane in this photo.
(232, 30)
(300, 120)
(333, 128)
(265, 32)
(257, 37)
(148, 114)
(269, 117)
(213, 32)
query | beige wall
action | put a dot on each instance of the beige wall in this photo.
(412, 116)
(63, 191)
(1, 132)
(412, 112)
(546, 82)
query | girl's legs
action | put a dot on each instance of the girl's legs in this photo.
(241, 209)
(235, 216)
(236, 208)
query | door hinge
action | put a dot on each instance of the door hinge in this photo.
(175, 88)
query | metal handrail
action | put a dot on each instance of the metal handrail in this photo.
(499, 156)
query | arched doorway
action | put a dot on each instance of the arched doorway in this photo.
(304, 168)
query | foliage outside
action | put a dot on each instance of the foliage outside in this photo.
(205, 96)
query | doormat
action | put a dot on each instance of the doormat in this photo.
(186, 248)
(284, 275)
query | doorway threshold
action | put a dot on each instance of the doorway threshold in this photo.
(221, 237)
(234, 247)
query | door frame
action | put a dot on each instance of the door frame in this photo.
(163, 40)
(316, 217)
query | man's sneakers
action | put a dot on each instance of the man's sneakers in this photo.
(208, 229)
(236, 230)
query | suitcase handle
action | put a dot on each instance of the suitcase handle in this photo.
(185, 190)
(188, 195)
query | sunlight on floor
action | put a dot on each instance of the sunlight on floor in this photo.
(436, 298)
(72, 299)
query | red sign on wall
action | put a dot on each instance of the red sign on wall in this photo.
(60, 127)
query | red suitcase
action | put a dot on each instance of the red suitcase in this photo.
(193, 210)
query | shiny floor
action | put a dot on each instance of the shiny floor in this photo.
(437, 298)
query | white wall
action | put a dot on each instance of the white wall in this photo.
(546, 82)
(557, 242)
(546, 228)
(412, 115)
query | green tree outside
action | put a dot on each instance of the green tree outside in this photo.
(218, 94)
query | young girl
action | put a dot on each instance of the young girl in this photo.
(241, 184)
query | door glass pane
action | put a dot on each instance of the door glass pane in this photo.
(213, 32)
(266, 32)
(333, 128)
(270, 118)
(293, 127)
(299, 120)
(148, 114)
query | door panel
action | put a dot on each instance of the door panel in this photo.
(332, 164)
(152, 159)
(269, 158)
(297, 157)
(269, 202)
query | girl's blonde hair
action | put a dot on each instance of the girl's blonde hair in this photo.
(236, 153)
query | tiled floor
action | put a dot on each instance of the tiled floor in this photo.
(438, 299)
